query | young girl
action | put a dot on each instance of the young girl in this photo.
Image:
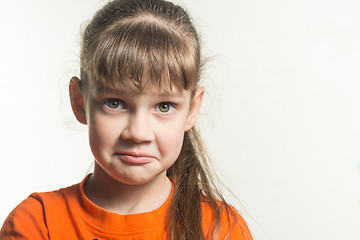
(138, 93)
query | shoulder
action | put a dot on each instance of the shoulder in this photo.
(28, 220)
(232, 224)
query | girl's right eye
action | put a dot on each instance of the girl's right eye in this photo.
(114, 103)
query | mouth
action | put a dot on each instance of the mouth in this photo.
(134, 158)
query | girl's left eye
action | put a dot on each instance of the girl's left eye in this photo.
(165, 107)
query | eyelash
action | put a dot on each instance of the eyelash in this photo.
(113, 100)
(121, 105)
(171, 105)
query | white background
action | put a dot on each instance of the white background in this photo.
(281, 118)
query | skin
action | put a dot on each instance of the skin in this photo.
(135, 136)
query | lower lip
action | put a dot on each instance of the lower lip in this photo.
(134, 159)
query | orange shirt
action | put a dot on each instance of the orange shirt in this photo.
(68, 214)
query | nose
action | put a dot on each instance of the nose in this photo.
(138, 128)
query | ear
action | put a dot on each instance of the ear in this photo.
(77, 100)
(194, 108)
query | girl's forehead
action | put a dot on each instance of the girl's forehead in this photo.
(164, 88)
(141, 80)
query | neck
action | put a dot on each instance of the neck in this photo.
(121, 198)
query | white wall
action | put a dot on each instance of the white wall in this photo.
(281, 118)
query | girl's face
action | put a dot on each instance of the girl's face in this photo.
(136, 136)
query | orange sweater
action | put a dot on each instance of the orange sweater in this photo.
(69, 214)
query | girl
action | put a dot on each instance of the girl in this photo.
(138, 93)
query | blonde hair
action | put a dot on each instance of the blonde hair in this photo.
(128, 37)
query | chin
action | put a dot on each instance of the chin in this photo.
(132, 180)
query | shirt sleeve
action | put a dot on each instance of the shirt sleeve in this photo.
(26, 221)
(241, 230)
(234, 225)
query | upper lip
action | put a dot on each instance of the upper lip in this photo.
(135, 154)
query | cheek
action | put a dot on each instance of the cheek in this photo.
(170, 140)
(102, 134)
(171, 146)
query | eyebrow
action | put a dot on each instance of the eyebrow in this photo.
(131, 92)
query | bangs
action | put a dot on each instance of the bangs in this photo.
(135, 52)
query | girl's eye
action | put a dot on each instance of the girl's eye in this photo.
(165, 107)
(114, 103)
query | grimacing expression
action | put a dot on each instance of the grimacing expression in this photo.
(135, 136)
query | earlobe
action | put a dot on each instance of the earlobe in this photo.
(77, 100)
(195, 108)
